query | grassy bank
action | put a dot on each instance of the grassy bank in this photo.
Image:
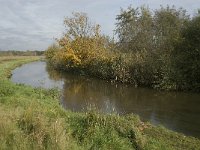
(31, 118)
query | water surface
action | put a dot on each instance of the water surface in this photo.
(175, 110)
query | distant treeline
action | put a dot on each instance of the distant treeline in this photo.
(21, 53)
(158, 49)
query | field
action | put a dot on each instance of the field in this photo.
(31, 118)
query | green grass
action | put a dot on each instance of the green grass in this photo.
(31, 118)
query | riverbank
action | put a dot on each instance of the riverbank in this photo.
(31, 118)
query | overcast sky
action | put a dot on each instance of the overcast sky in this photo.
(33, 24)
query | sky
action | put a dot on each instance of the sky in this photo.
(34, 24)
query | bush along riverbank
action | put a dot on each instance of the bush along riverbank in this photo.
(157, 49)
(31, 118)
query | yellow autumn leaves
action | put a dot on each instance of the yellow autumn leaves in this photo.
(81, 46)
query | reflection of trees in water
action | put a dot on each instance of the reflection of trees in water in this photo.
(53, 74)
(177, 111)
(168, 108)
(124, 98)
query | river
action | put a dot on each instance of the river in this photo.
(177, 111)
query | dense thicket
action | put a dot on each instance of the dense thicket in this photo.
(186, 57)
(158, 49)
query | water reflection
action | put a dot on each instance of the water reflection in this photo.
(35, 74)
(177, 111)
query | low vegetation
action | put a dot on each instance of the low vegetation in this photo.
(157, 49)
(31, 118)
(21, 53)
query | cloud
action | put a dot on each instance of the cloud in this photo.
(25, 25)
(33, 24)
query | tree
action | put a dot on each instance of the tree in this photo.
(186, 57)
(168, 23)
(79, 26)
(134, 29)
(81, 45)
